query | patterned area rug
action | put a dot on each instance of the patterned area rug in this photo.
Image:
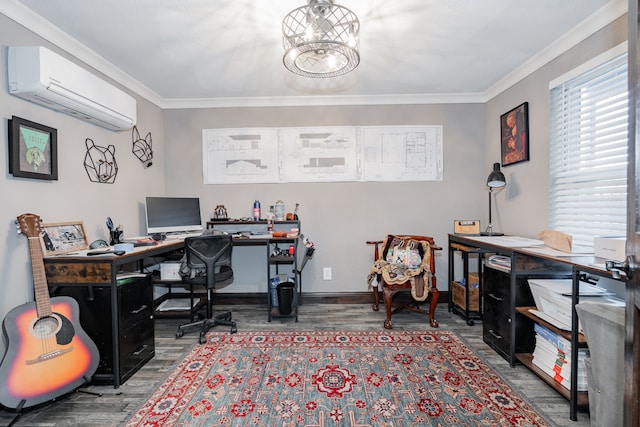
(329, 378)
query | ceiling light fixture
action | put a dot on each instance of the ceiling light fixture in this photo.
(321, 39)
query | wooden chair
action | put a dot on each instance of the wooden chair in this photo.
(389, 290)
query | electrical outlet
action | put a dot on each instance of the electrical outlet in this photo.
(326, 273)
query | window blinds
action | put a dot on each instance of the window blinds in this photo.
(588, 153)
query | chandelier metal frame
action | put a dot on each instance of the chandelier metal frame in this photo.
(321, 39)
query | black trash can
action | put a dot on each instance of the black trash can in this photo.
(286, 293)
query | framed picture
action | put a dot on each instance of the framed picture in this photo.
(63, 237)
(514, 134)
(33, 150)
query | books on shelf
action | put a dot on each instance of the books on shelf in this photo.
(552, 355)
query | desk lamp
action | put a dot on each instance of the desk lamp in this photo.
(496, 180)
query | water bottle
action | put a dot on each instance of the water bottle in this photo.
(256, 210)
(270, 217)
(279, 210)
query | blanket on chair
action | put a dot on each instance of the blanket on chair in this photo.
(393, 269)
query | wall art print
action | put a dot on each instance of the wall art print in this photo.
(514, 133)
(142, 148)
(33, 150)
(100, 162)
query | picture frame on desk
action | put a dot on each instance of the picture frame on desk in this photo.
(63, 237)
(33, 150)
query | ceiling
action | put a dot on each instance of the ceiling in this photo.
(209, 53)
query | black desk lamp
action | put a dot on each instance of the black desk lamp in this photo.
(495, 180)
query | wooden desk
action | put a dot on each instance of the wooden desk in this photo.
(512, 316)
(116, 313)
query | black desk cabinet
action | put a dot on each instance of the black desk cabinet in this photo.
(134, 334)
(503, 289)
(496, 325)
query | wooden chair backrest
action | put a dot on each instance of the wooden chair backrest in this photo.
(432, 246)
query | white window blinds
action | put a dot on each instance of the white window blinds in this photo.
(588, 153)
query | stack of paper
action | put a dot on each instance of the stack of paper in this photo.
(552, 355)
(553, 299)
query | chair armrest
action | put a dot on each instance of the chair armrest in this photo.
(376, 251)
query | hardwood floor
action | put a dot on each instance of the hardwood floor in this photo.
(113, 406)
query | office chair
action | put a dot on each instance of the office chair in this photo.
(405, 263)
(207, 262)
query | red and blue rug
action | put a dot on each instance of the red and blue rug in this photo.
(329, 378)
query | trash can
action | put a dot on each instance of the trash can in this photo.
(604, 330)
(286, 294)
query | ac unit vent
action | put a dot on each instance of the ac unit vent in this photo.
(46, 78)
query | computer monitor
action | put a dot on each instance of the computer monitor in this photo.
(172, 214)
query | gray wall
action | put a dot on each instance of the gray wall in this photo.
(341, 217)
(72, 197)
(523, 208)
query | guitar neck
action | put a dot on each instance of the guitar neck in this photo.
(43, 302)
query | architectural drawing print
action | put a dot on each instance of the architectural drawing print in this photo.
(320, 154)
(402, 153)
(240, 155)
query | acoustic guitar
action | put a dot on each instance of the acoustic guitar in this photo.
(48, 353)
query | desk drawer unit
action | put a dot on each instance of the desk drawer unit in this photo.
(136, 347)
(500, 320)
(128, 346)
(497, 319)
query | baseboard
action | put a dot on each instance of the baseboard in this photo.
(310, 298)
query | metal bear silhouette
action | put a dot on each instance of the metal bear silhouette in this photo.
(142, 148)
(100, 162)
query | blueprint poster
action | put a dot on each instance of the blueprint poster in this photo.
(401, 153)
(239, 156)
(322, 154)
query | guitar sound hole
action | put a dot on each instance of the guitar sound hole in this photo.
(46, 327)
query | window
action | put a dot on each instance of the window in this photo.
(588, 151)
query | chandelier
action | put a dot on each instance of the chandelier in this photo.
(321, 39)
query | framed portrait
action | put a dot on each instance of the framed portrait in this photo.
(514, 135)
(63, 237)
(33, 150)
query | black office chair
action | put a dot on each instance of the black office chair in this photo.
(208, 261)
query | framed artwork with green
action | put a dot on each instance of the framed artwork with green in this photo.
(33, 150)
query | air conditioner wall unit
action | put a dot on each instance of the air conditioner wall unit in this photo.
(46, 78)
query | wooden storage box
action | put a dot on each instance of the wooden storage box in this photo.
(460, 293)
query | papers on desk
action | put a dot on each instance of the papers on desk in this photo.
(509, 241)
(575, 251)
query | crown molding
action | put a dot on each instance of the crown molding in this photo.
(603, 17)
(24, 16)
